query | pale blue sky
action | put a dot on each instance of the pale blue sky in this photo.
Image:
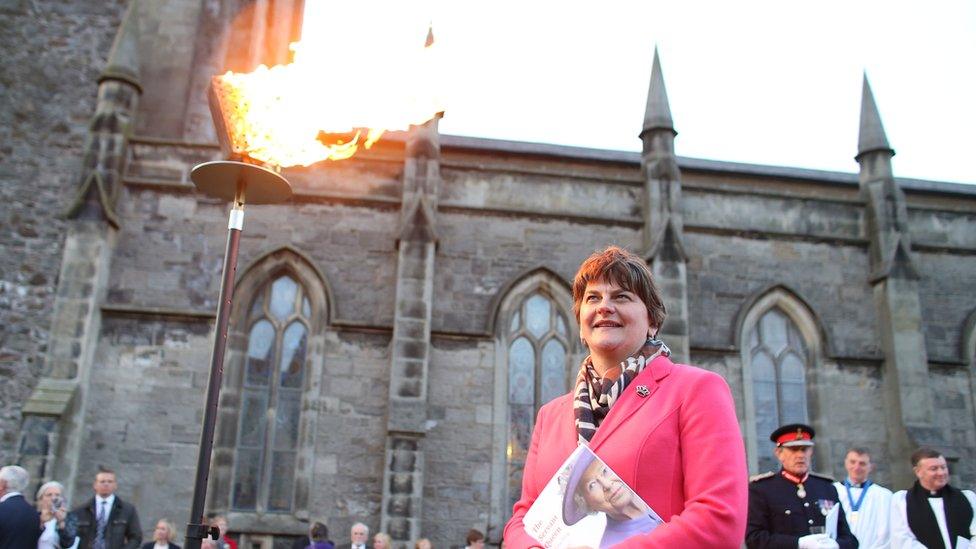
(765, 81)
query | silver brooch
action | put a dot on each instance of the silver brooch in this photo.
(643, 391)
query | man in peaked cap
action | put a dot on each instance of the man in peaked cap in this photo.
(789, 509)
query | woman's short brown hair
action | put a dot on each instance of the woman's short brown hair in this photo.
(474, 535)
(618, 266)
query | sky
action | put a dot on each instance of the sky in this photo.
(760, 82)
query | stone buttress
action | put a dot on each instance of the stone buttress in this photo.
(54, 416)
(410, 354)
(894, 279)
(664, 247)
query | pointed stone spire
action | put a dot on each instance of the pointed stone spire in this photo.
(123, 60)
(657, 114)
(872, 135)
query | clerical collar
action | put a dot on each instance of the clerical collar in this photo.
(936, 494)
(850, 484)
(793, 478)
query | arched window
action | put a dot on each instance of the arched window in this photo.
(537, 373)
(780, 348)
(271, 397)
(535, 360)
(777, 354)
(264, 446)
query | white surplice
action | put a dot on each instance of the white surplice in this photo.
(902, 536)
(870, 524)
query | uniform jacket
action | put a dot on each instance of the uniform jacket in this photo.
(20, 524)
(778, 517)
(679, 448)
(121, 532)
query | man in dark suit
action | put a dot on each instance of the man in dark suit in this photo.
(358, 535)
(20, 523)
(789, 509)
(105, 521)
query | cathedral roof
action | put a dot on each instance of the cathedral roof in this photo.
(694, 164)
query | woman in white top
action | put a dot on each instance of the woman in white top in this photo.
(60, 527)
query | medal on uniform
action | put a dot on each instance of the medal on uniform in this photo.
(801, 492)
(854, 517)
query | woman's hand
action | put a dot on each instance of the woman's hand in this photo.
(60, 514)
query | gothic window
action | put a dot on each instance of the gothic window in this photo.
(271, 395)
(538, 343)
(778, 362)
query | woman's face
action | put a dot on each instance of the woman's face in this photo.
(613, 321)
(48, 495)
(161, 533)
(604, 491)
(379, 542)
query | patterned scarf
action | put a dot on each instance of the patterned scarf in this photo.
(588, 414)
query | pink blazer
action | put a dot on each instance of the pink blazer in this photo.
(679, 448)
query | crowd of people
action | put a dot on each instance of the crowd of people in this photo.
(105, 521)
(797, 508)
(667, 430)
(670, 431)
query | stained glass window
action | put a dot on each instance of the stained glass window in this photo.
(778, 362)
(538, 371)
(271, 396)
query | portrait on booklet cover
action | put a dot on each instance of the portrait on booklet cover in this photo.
(587, 505)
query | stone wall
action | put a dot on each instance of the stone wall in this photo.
(947, 299)
(145, 412)
(952, 391)
(459, 442)
(725, 271)
(53, 53)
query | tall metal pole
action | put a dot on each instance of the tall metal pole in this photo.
(236, 181)
(197, 529)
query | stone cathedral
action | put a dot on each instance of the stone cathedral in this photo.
(398, 322)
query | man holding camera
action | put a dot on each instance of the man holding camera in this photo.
(107, 522)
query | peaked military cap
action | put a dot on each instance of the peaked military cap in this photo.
(794, 434)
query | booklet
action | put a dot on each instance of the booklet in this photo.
(585, 504)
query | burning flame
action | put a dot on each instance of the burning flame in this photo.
(327, 103)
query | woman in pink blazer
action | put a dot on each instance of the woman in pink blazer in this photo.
(668, 430)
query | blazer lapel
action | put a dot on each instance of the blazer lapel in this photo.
(630, 402)
(115, 510)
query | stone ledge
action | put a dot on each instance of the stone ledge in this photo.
(51, 397)
(157, 312)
